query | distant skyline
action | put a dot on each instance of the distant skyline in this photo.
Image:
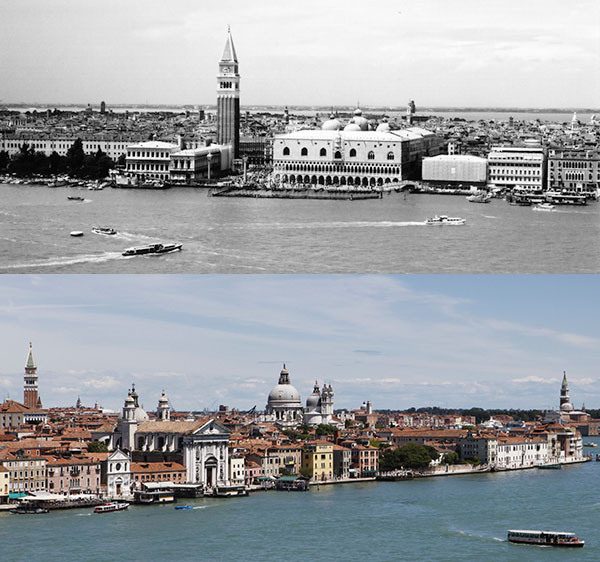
(399, 341)
(465, 53)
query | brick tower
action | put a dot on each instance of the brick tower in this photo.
(31, 397)
(228, 98)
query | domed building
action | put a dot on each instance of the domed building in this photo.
(283, 404)
(332, 124)
(319, 406)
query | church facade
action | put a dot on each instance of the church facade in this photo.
(203, 443)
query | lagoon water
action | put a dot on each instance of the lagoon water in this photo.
(460, 518)
(235, 235)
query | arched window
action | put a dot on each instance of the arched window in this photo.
(353, 153)
(304, 152)
(390, 156)
(323, 152)
(286, 151)
(338, 155)
(371, 155)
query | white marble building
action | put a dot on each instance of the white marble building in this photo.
(118, 474)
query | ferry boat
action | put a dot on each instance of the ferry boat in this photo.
(550, 466)
(76, 233)
(153, 495)
(104, 230)
(480, 198)
(110, 507)
(443, 219)
(545, 538)
(543, 207)
(152, 249)
(75, 198)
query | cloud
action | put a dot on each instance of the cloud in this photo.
(532, 379)
(103, 383)
(368, 351)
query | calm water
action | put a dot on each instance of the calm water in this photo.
(445, 519)
(258, 235)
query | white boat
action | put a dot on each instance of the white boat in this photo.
(152, 249)
(443, 219)
(76, 233)
(543, 207)
(106, 230)
(480, 198)
(110, 507)
(545, 538)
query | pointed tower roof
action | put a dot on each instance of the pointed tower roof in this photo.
(30, 362)
(564, 381)
(229, 54)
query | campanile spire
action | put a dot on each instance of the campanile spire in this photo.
(228, 97)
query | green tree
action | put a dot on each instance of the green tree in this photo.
(4, 160)
(451, 458)
(75, 158)
(97, 447)
(325, 429)
(411, 456)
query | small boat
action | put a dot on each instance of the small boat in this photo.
(443, 219)
(550, 466)
(543, 207)
(104, 230)
(77, 233)
(75, 198)
(152, 249)
(28, 510)
(110, 507)
(480, 198)
(590, 444)
(184, 507)
(545, 538)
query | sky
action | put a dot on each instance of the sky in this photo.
(459, 53)
(398, 341)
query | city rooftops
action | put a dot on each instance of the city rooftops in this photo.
(457, 158)
(154, 144)
(399, 135)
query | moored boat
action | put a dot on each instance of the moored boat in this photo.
(550, 466)
(28, 510)
(445, 220)
(545, 538)
(110, 507)
(76, 233)
(104, 230)
(479, 198)
(543, 207)
(152, 249)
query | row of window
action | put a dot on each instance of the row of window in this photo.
(147, 167)
(148, 154)
(337, 155)
(573, 164)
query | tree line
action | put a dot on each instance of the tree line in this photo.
(27, 162)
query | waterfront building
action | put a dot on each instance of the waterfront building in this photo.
(27, 473)
(4, 485)
(72, 475)
(142, 472)
(117, 474)
(228, 98)
(31, 398)
(149, 160)
(317, 460)
(237, 469)
(342, 459)
(573, 170)
(521, 452)
(478, 446)
(352, 155)
(455, 171)
(365, 460)
(283, 404)
(521, 167)
(190, 165)
(567, 412)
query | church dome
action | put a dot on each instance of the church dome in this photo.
(332, 124)
(140, 415)
(352, 127)
(284, 393)
(383, 127)
(314, 400)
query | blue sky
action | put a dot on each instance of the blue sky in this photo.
(399, 341)
(538, 53)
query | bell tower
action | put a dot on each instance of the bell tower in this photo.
(31, 398)
(228, 98)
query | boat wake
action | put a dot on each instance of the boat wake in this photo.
(335, 224)
(489, 217)
(65, 261)
(200, 507)
(131, 237)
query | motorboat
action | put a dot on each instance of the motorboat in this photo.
(443, 219)
(77, 233)
(152, 249)
(545, 538)
(110, 507)
(75, 198)
(590, 444)
(550, 466)
(28, 510)
(104, 230)
(184, 507)
(543, 207)
(479, 198)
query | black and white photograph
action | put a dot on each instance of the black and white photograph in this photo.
(345, 249)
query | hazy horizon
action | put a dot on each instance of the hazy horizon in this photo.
(451, 54)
